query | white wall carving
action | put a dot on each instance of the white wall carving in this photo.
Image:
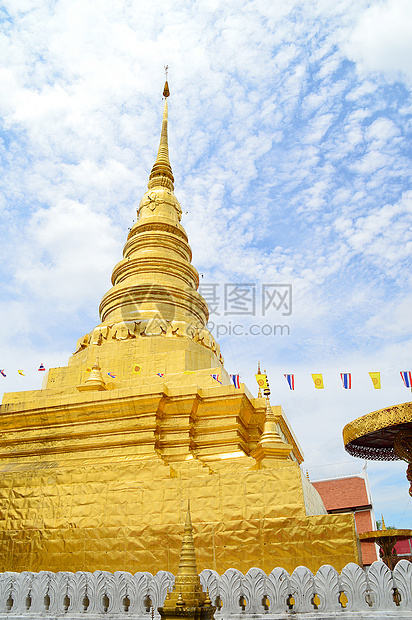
(374, 593)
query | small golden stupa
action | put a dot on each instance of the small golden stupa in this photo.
(187, 600)
(96, 466)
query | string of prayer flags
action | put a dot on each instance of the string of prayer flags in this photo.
(261, 378)
(346, 380)
(291, 381)
(376, 379)
(318, 381)
(262, 381)
(406, 378)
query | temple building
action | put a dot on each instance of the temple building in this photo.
(352, 494)
(98, 465)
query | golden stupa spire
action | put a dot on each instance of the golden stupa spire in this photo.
(154, 290)
(187, 598)
(270, 446)
(162, 167)
(187, 564)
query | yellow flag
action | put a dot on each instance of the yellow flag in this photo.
(21, 373)
(376, 379)
(318, 381)
(262, 381)
(136, 369)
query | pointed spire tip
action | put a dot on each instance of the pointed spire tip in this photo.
(161, 173)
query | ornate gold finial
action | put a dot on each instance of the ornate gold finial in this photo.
(266, 389)
(161, 174)
(383, 523)
(166, 92)
(271, 446)
(95, 381)
(207, 602)
(187, 564)
(258, 372)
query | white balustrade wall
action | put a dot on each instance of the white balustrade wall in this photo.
(373, 593)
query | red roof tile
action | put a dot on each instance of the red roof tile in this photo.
(341, 493)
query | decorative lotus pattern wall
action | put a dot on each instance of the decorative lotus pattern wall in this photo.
(354, 593)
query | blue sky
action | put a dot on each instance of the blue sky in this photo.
(290, 142)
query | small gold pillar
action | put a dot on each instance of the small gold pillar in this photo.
(271, 445)
(95, 381)
(187, 600)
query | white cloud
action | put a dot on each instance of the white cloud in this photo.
(381, 40)
(382, 130)
(67, 255)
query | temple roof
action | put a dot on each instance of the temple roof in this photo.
(341, 493)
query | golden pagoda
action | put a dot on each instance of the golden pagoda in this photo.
(187, 600)
(98, 465)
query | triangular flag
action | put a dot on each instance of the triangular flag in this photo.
(160, 374)
(291, 381)
(376, 379)
(21, 373)
(216, 378)
(136, 369)
(111, 375)
(318, 381)
(346, 380)
(3, 373)
(235, 379)
(41, 367)
(406, 378)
